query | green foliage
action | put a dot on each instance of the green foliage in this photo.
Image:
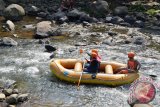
(152, 12)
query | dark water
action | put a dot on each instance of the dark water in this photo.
(28, 65)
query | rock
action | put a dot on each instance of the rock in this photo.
(42, 14)
(86, 17)
(129, 19)
(2, 7)
(43, 29)
(14, 12)
(121, 11)
(139, 40)
(117, 20)
(108, 19)
(109, 42)
(29, 27)
(99, 8)
(86, 23)
(63, 19)
(157, 15)
(2, 96)
(9, 26)
(112, 33)
(141, 16)
(139, 23)
(125, 24)
(6, 41)
(75, 14)
(52, 55)
(58, 15)
(12, 99)
(32, 10)
(7, 92)
(22, 97)
(15, 91)
(80, 44)
(11, 106)
(50, 48)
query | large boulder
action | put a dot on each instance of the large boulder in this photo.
(14, 12)
(12, 99)
(100, 8)
(44, 29)
(2, 7)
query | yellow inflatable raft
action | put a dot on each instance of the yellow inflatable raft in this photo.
(71, 69)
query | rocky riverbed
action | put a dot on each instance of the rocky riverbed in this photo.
(27, 46)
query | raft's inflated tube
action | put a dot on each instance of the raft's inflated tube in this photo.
(108, 69)
(78, 67)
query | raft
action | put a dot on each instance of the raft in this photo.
(71, 69)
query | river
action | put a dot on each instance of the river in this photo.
(28, 65)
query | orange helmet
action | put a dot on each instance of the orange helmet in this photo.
(95, 50)
(131, 54)
(94, 55)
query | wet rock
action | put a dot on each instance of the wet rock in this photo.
(109, 42)
(117, 20)
(139, 23)
(50, 48)
(2, 96)
(139, 40)
(6, 41)
(121, 11)
(100, 8)
(52, 55)
(14, 12)
(43, 29)
(7, 92)
(129, 19)
(9, 26)
(12, 99)
(22, 97)
(2, 7)
(32, 10)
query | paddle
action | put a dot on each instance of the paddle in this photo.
(81, 51)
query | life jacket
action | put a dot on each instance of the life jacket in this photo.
(132, 64)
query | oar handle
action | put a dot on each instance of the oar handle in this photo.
(81, 75)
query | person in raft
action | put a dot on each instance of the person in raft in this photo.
(93, 65)
(132, 66)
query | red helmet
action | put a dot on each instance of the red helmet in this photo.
(94, 55)
(131, 54)
(95, 50)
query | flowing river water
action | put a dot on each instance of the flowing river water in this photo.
(28, 65)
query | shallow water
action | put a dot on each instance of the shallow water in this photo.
(28, 65)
